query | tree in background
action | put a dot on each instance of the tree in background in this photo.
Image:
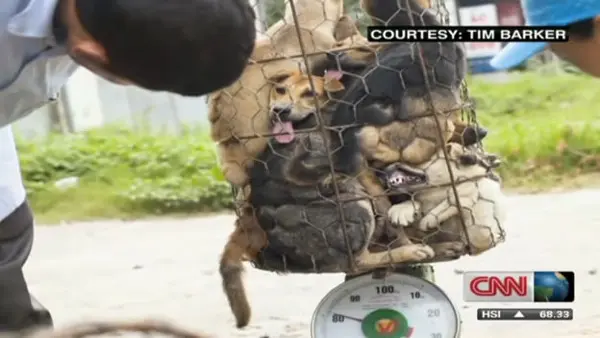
(275, 9)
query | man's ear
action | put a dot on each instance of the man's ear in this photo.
(597, 25)
(90, 50)
(333, 85)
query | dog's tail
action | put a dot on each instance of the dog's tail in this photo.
(399, 13)
(231, 270)
(246, 241)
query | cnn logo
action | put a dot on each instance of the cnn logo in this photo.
(499, 286)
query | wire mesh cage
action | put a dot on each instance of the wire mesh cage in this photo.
(348, 156)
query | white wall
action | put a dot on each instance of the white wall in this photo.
(91, 102)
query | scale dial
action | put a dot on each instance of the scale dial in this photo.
(398, 306)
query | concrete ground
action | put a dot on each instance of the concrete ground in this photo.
(168, 269)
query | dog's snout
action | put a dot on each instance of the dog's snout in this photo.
(334, 56)
(283, 112)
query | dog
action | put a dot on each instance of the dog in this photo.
(237, 114)
(482, 203)
(387, 112)
(292, 223)
(288, 207)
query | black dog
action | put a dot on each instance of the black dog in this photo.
(302, 223)
(393, 85)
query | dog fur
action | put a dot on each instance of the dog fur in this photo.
(291, 223)
(401, 124)
(482, 203)
(238, 114)
(248, 238)
(288, 209)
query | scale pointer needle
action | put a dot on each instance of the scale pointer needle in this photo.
(348, 317)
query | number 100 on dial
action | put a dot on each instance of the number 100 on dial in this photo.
(400, 307)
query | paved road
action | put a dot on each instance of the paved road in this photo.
(167, 268)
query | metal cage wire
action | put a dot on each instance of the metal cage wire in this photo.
(305, 58)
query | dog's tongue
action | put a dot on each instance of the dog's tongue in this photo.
(334, 74)
(285, 131)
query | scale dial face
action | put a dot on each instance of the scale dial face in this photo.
(398, 306)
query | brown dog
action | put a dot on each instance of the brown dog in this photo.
(238, 114)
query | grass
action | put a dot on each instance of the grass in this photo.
(546, 128)
(92, 199)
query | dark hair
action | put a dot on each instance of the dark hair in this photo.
(583, 29)
(189, 47)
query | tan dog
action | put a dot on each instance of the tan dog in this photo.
(238, 114)
(291, 100)
(482, 203)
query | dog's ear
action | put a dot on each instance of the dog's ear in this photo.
(344, 28)
(333, 85)
(278, 78)
(459, 153)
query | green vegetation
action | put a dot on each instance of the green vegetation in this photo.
(123, 174)
(545, 127)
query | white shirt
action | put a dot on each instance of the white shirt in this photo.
(12, 192)
(32, 71)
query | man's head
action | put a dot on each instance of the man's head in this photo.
(583, 47)
(189, 47)
(582, 17)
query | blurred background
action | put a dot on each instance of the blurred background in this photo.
(127, 152)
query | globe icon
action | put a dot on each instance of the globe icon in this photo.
(550, 287)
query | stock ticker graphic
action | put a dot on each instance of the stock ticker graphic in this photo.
(525, 314)
(538, 286)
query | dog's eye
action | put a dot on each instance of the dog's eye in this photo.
(309, 93)
(280, 90)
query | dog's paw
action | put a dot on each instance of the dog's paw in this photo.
(429, 222)
(422, 252)
(327, 180)
(403, 214)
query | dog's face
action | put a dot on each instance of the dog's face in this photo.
(466, 163)
(400, 177)
(293, 100)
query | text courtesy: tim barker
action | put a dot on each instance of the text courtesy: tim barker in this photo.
(467, 34)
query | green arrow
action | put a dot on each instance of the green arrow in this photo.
(386, 323)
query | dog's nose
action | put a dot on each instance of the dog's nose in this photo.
(334, 56)
(283, 112)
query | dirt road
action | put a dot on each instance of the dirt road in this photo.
(167, 269)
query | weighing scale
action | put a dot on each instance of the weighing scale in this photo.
(396, 306)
